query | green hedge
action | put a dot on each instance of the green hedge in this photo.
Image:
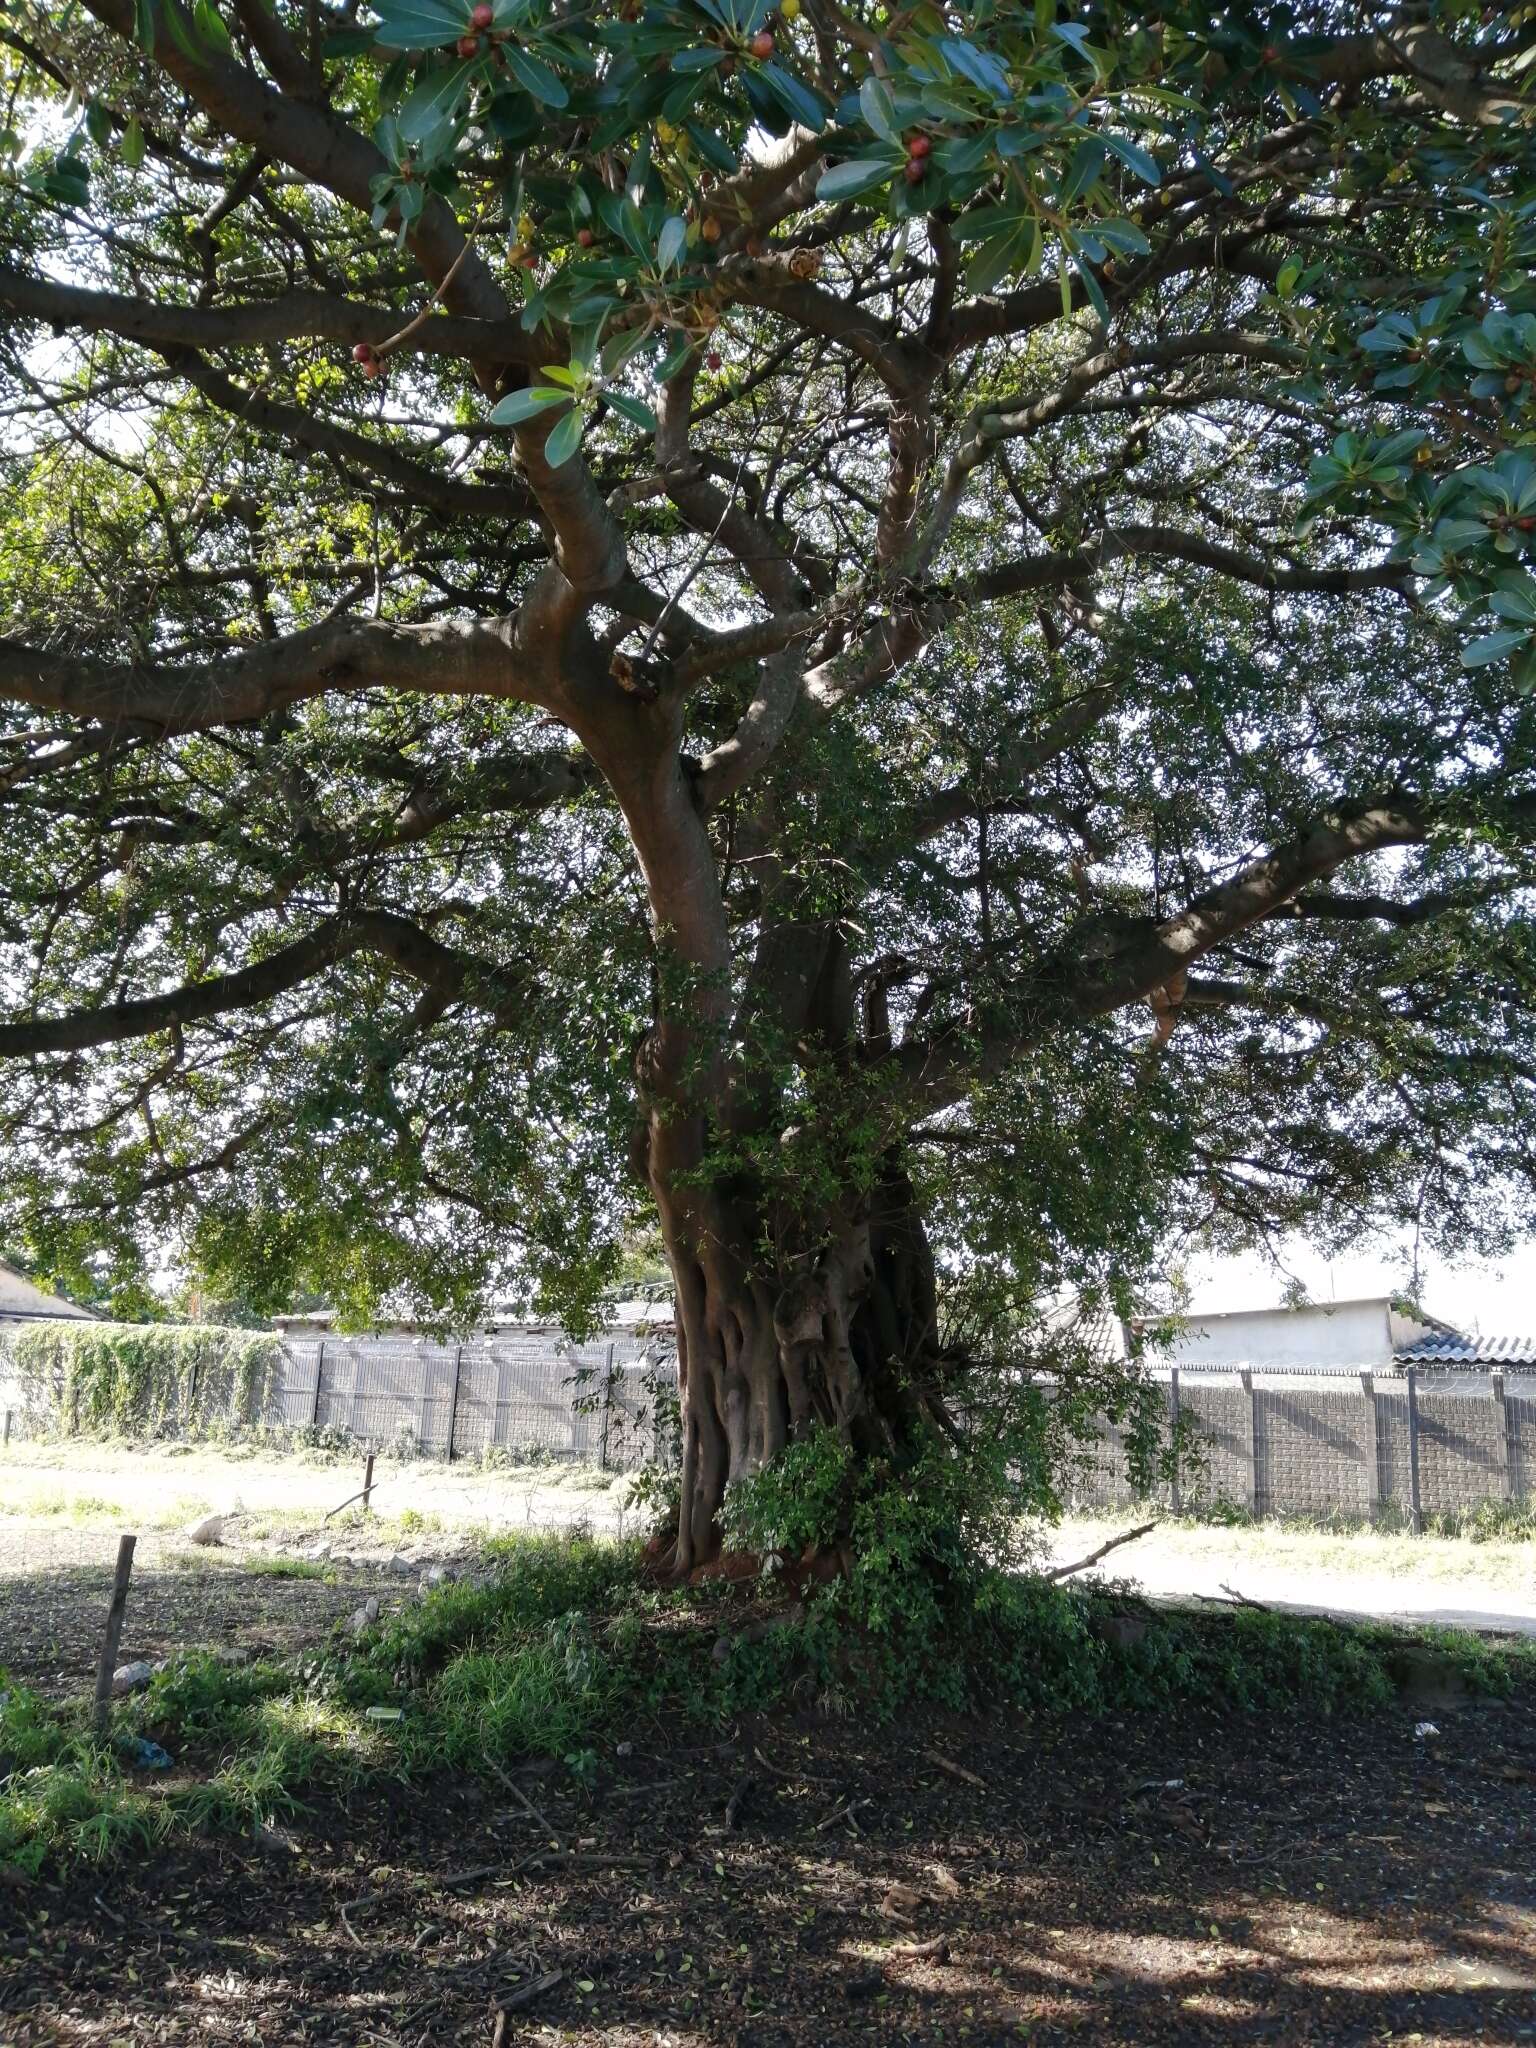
(183, 1379)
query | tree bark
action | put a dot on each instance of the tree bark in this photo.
(787, 1323)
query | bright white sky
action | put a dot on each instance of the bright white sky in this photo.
(1497, 1300)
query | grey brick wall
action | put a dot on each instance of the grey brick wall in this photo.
(1293, 1447)
(607, 1402)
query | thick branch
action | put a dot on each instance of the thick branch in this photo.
(445, 659)
(415, 952)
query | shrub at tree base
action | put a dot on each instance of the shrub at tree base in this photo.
(139, 1378)
(566, 1646)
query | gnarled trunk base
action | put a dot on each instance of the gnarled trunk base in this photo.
(848, 1339)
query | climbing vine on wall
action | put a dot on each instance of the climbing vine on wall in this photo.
(140, 1378)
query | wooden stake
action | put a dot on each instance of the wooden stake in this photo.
(367, 1482)
(114, 1633)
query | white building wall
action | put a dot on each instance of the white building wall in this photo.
(1348, 1334)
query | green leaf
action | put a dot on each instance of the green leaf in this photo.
(979, 66)
(671, 242)
(879, 110)
(518, 406)
(420, 24)
(618, 348)
(1492, 647)
(535, 75)
(634, 410)
(1516, 600)
(1087, 162)
(144, 25)
(673, 361)
(1002, 255)
(564, 438)
(431, 104)
(797, 99)
(133, 144)
(1135, 158)
(210, 26)
(859, 174)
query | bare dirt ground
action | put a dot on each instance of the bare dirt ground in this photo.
(1263, 1880)
(165, 1485)
(1452, 1581)
(263, 1589)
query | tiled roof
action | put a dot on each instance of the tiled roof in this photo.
(1451, 1349)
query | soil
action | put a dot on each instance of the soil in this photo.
(1270, 1879)
(51, 1618)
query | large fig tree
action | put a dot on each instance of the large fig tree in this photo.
(898, 635)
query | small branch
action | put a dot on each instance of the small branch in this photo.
(524, 1801)
(1065, 1571)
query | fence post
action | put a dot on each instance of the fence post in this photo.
(425, 1402)
(602, 1449)
(1501, 1458)
(1245, 1381)
(1415, 1507)
(358, 1379)
(1174, 1488)
(453, 1401)
(1369, 1449)
(314, 1413)
(7, 1425)
(114, 1634)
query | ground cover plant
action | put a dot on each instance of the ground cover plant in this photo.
(561, 1647)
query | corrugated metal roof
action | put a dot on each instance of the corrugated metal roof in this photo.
(1454, 1350)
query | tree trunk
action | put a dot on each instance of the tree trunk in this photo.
(787, 1323)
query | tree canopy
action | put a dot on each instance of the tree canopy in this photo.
(902, 634)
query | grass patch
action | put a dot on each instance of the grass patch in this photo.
(288, 1568)
(562, 1647)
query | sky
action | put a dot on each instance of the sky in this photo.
(1493, 1300)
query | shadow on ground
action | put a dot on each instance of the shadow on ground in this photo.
(1263, 1880)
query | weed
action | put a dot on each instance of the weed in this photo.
(289, 1568)
(559, 1645)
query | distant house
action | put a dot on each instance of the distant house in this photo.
(21, 1302)
(1373, 1335)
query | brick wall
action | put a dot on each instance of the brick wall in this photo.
(1278, 1444)
(529, 1393)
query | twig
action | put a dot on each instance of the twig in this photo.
(519, 2000)
(955, 1770)
(395, 341)
(1242, 1599)
(938, 1948)
(524, 1801)
(1065, 1571)
(644, 1791)
(542, 1859)
(361, 1491)
(353, 1935)
(116, 1918)
(1230, 1597)
(844, 1812)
